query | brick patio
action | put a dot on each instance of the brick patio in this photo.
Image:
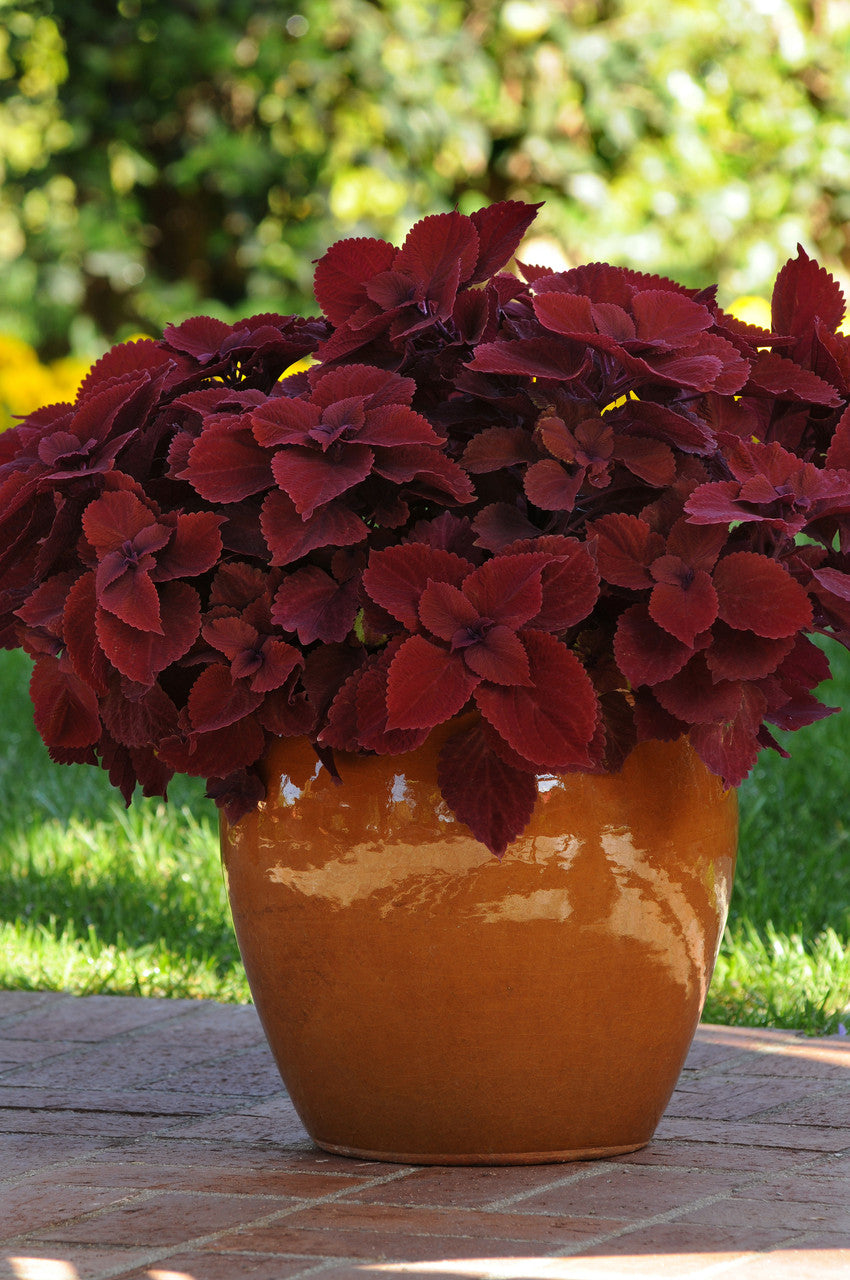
(152, 1139)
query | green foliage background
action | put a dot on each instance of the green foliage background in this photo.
(163, 156)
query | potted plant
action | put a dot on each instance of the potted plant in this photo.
(429, 579)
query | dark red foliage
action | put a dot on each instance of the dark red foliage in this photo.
(494, 798)
(568, 512)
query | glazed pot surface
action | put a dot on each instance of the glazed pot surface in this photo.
(428, 1003)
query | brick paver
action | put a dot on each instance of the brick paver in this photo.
(153, 1140)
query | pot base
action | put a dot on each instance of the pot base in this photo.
(428, 1004)
(485, 1158)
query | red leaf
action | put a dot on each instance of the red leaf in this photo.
(391, 290)
(694, 696)
(125, 358)
(718, 503)
(685, 605)
(195, 547)
(644, 652)
(742, 655)
(806, 665)
(652, 722)
(730, 749)
(734, 368)
(531, 357)
(498, 525)
(229, 634)
(45, 606)
(699, 547)
(340, 729)
(216, 700)
(552, 721)
(834, 582)
(286, 712)
(650, 460)
(118, 762)
(700, 372)
(800, 710)
(500, 229)
(141, 655)
(326, 668)
(342, 273)
(444, 610)
(65, 709)
(507, 589)
(616, 734)
(277, 661)
(426, 685)
(218, 753)
(570, 314)
(138, 722)
(612, 321)
(672, 318)
(783, 379)
(288, 537)
(497, 447)
(284, 420)
(706, 363)
(396, 577)
(116, 518)
(570, 583)
(132, 597)
(691, 435)
(446, 532)
(225, 464)
(607, 283)
(427, 470)
(497, 743)
(81, 644)
(395, 425)
(500, 658)
(597, 438)
(376, 386)
(838, 454)
(625, 548)
(316, 606)
(372, 717)
(440, 252)
(237, 584)
(236, 795)
(757, 594)
(200, 337)
(551, 487)
(802, 292)
(312, 478)
(494, 799)
(103, 410)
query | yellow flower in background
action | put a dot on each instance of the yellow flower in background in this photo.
(752, 310)
(25, 384)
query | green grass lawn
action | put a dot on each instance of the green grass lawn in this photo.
(96, 898)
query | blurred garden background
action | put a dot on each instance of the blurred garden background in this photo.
(163, 158)
(159, 156)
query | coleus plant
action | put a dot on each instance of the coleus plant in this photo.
(562, 511)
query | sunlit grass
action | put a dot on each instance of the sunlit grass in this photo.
(785, 960)
(775, 979)
(132, 902)
(96, 898)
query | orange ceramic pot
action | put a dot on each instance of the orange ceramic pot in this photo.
(427, 1003)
